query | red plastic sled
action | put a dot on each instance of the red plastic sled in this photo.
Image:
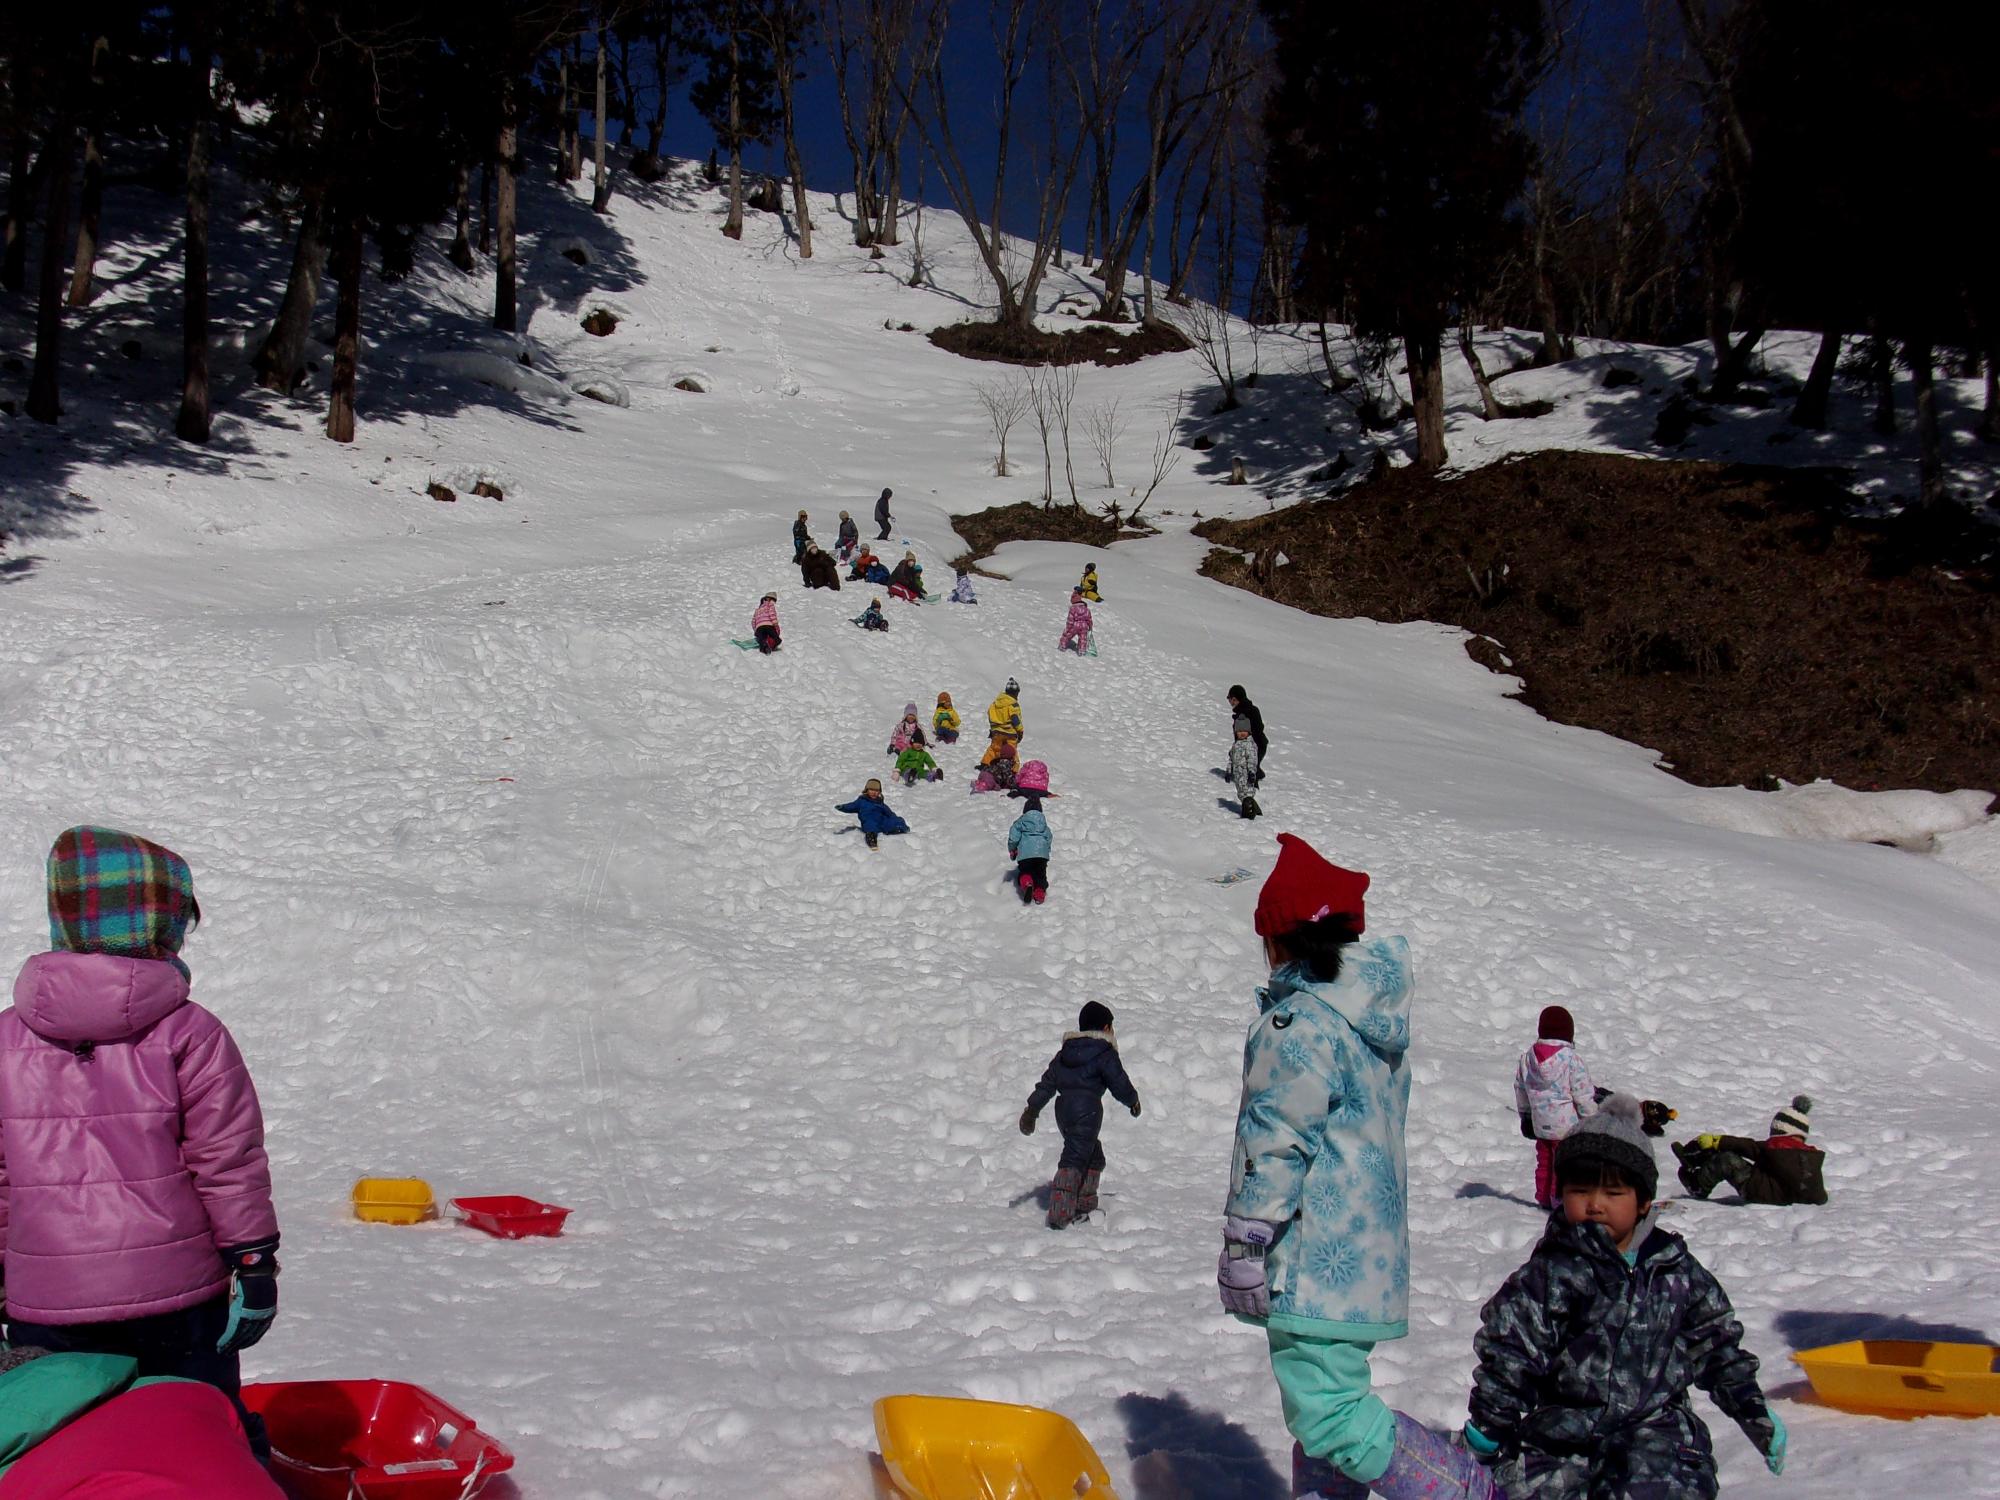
(511, 1216)
(377, 1439)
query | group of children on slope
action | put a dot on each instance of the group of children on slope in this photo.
(138, 1244)
(1585, 1356)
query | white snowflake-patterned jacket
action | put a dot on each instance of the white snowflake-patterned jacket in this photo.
(1319, 1144)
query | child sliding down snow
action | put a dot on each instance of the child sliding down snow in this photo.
(1587, 1353)
(764, 625)
(961, 589)
(1552, 1091)
(1077, 1078)
(1316, 1242)
(944, 721)
(1076, 628)
(1783, 1168)
(908, 732)
(1029, 840)
(996, 766)
(1243, 769)
(872, 617)
(915, 765)
(875, 815)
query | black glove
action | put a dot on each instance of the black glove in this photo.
(1135, 1109)
(253, 1296)
(1527, 1125)
(1027, 1122)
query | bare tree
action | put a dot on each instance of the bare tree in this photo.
(1212, 332)
(1025, 32)
(193, 422)
(783, 27)
(1062, 382)
(1166, 453)
(1105, 423)
(1052, 397)
(1005, 401)
(45, 378)
(600, 192)
(867, 43)
(90, 207)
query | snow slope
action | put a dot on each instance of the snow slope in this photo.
(520, 878)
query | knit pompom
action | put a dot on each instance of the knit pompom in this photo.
(1802, 1103)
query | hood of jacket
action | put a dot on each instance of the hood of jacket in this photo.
(1543, 1058)
(1372, 994)
(1080, 1046)
(73, 998)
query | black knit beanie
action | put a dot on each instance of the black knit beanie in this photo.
(1095, 1016)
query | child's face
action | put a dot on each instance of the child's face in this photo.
(873, 796)
(1618, 1209)
(1243, 734)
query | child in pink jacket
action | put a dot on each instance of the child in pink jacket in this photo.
(1076, 625)
(1552, 1091)
(135, 1196)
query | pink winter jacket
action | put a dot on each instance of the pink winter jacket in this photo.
(767, 614)
(1553, 1088)
(131, 1145)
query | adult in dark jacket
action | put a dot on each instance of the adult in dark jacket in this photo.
(1784, 1168)
(1241, 707)
(1077, 1078)
(907, 575)
(818, 570)
(882, 516)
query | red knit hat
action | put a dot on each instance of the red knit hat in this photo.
(1303, 887)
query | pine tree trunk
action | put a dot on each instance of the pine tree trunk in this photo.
(1883, 362)
(460, 253)
(733, 225)
(1989, 424)
(800, 211)
(562, 117)
(1810, 409)
(1466, 347)
(1735, 363)
(1930, 442)
(346, 330)
(281, 362)
(575, 164)
(1427, 397)
(505, 265)
(600, 193)
(192, 425)
(888, 230)
(45, 382)
(486, 208)
(80, 287)
(23, 184)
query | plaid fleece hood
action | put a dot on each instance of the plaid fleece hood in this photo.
(118, 894)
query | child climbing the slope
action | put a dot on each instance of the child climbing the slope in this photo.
(1243, 769)
(944, 721)
(764, 625)
(1029, 841)
(1587, 1353)
(1077, 1078)
(1316, 1247)
(1552, 1091)
(872, 617)
(135, 1195)
(875, 814)
(1076, 627)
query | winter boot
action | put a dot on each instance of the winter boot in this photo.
(874, 840)
(1428, 1465)
(1026, 885)
(1251, 809)
(1062, 1197)
(1699, 1171)
(1086, 1193)
(1316, 1479)
(1041, 894)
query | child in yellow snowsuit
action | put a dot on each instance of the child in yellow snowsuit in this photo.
(944, 721)
(1089, 585)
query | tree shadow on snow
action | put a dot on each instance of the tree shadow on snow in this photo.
(1809, 1330)
(1179, 1452)
(1487, 1190)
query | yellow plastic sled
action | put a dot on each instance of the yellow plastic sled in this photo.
(946, 1448)
(1905, 1377)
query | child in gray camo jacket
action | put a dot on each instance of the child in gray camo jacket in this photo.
(1587, 1353)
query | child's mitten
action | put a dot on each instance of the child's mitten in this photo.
(253, 1295)
(1774, 1456)
(1708, 1142)
(1135, 1109)
(1239, 1271)
(1027, 1122)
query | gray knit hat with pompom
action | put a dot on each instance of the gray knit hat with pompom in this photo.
(1614, 1135)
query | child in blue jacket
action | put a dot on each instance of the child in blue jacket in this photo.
(1077, 1079)
(875, 815)
(1316, 1239)
(1028, 844)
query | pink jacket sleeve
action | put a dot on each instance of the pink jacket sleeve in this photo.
(222, 1139)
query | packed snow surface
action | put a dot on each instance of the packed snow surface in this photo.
(519, 877)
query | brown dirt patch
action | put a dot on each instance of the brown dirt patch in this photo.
(986, 530)
(1737, 618)
(1096, 345)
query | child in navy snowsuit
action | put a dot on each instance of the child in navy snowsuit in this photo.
(1077, 1079)
(872, 617)
(875, 814)
(1587, 1354)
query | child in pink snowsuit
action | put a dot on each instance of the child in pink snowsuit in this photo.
(1076, 629)
(1552, 1091)
(764, 625)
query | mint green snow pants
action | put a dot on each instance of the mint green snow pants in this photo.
(1329, 1407)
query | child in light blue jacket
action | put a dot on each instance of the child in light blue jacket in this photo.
(1028, 845)
(1316, 1246)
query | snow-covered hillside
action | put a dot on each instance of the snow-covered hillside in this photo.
(520, 878)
